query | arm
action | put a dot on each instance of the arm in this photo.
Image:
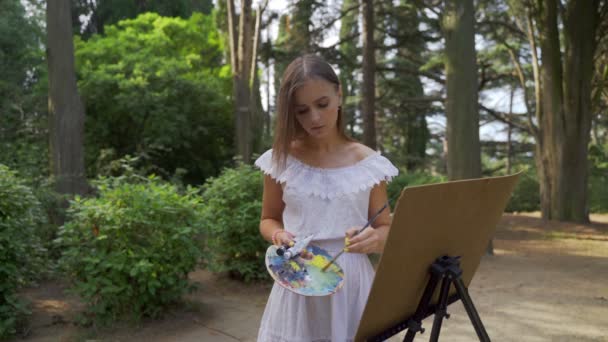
(372, 240)
(272, 211)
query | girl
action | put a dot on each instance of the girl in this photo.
(319, 181)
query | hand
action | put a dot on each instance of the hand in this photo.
(283, 238)
(370, 240)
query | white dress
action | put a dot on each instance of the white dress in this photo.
(325, 202)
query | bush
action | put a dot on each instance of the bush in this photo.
(21, 254)
(598, 178)
(157, 88)
(598, 193)
(408, 179)
(233, 202)
(526, 195)
(129, 251)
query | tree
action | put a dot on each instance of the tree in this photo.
(464, 156)
(23, 93)
(565, 115)
(66, 112)
(295, 36)
(157, 88)
(560, 109)
(402, 128)
(100, 13)
(243, 61)
(349, 30)
(368, 91)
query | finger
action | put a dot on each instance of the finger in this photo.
(364, 235)
(349, 235)
(359, 247)
(284, 241)
(351, 232)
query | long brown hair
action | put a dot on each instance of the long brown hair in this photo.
(287, 128)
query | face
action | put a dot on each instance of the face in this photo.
(316, 107)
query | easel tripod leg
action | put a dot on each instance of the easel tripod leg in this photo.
(463, 293)
(442, 306)
(416, 320)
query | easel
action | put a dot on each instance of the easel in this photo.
(437, 237)
(447, 269)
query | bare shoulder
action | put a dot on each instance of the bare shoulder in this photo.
(359, 150)
(296, 150)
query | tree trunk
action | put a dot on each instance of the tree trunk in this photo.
(240, 57)
(369, 83)
(580, 28)
(509, 151)
(66, 112)
(464, 157)
(349, 29)
(566, 101)
(464, 150)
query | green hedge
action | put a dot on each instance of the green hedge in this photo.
(598, 178)
(526, 195)
(404, 179)
(129, 251)
(232, 206)
(21, 253)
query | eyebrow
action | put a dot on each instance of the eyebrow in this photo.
(317, 100)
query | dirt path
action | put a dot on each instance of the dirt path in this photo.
(547, 282)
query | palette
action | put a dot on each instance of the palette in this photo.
(304, 276)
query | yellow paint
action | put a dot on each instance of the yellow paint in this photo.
(318, 261)
(294, 265)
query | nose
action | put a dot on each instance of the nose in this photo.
(315, 116)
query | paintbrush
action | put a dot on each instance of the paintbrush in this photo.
(360, 230)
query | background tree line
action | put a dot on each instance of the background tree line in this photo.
(190, 86)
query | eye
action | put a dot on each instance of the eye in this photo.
(323, 104)
(302, 111)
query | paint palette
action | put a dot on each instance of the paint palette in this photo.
(304, 276)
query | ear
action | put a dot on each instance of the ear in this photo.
(340, 94)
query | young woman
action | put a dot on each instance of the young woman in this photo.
(319, 181)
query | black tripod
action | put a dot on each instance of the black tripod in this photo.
(448, 270)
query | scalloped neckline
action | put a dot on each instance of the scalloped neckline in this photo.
(337, 168)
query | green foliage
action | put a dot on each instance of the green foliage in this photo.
(23, 96)
(233, 202)
(402, 126)
(598, 179)
(157, 87)
(21, 253)
(129, 251)
(409, 179)
(108, 12)
(18, 37)
(526, 195)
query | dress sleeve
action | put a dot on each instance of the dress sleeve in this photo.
(264, 163)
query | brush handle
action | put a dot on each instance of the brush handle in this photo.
(357, 233)
(372, 219)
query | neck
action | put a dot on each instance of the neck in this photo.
(325, 144)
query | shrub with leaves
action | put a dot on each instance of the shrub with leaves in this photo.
(404, 179)
(21, 253)
(157, 88)
(129, 251)
(526, 195)
(598, 178)
(233, 202)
